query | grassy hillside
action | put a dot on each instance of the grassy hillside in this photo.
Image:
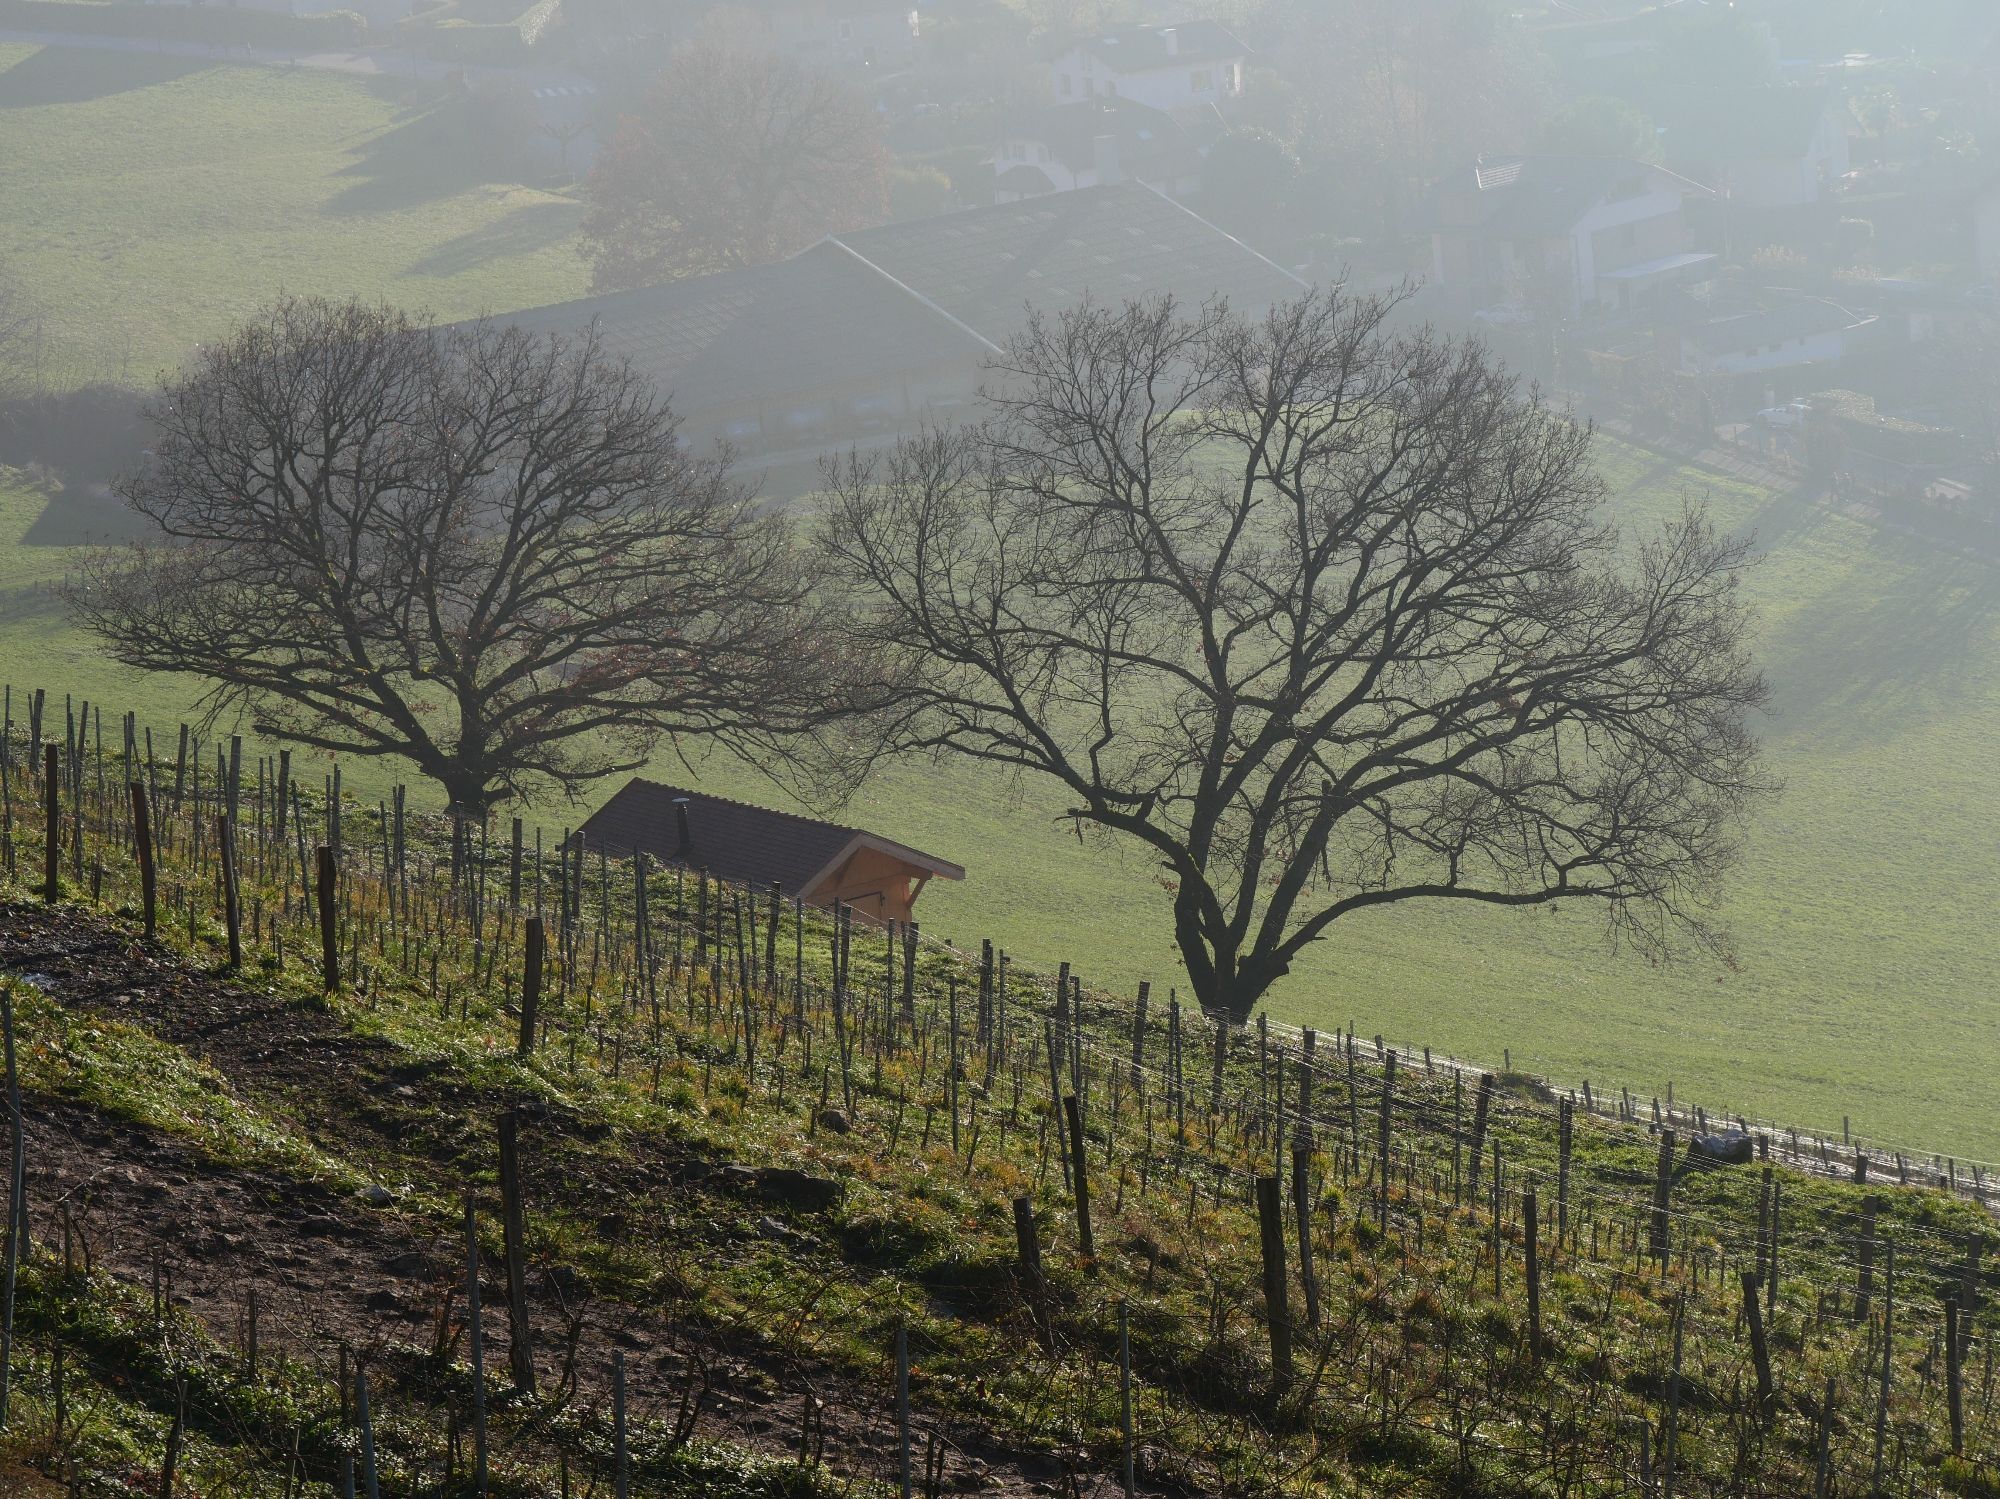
(744, 1191)
(1860, 983)
(146, 201)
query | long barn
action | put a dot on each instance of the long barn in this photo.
(822, 863)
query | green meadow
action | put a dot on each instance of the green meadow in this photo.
(147, 202)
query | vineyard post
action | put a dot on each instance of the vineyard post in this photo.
(1139, 1035)
(1125, 1394)
(1028, 1249)
(52, 830)
(514, 868)
(142, 831)
(1864, 1286)
(1663, 1186)
(1822, 1454)
(1670, 1446)
(476, 1337)
(1565, 1126)
(1530, 1228)
(367, 1421)
(531, 988)
(1954, 1390)
(514, 1228)
(1482, 1106)
(1760, 1349)
(1382, 1141)
(1771, 1285)
(232, 904)
(1080, 1176)
(903, 1403)
(1272, 1234)
(1302, 1211)
(621, 1453)
(17, 1208)
(329, 932)
(1888, 1332)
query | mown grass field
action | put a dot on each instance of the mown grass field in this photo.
(149, 201)
(146, 201)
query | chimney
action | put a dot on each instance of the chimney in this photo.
(681, 816)
(1104, 159)
(1171, 35)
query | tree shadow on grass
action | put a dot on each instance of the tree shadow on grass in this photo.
(520, 231)
(80, 516)
(77, 75)
(409, 165)
(1863, 664)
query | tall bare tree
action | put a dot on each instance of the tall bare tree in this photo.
(476, 548)
(737, 157)
(1323, 617)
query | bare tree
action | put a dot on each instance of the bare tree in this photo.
(479, 549)
(1320, 615)
(737, 157)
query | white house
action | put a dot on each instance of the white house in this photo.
(1187, 65)
(1563, 235)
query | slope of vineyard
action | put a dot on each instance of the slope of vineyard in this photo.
(754, 1153)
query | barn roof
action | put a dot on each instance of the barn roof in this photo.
(738, 841)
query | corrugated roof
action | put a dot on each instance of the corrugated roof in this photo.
(1706, 127)
(1531, 197)
(736, 841)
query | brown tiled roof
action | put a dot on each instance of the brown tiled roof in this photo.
(736, 841)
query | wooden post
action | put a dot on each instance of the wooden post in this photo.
(1565, 1126)
(1530, 1227)
(514, 869)
(1482, 1106)
(1670, 1447)
(1823, 1448)
(52, 832)
(1139, 1038)
(903, 1403)
(1080, 1177)
(371, 1483)
(1864, 1285)
(17, 1208)
(1888, 1339)
(1771, 1283)
(1125, 1393)
(1028, 1250)
(142, 837)
(622, 1461)
(1760, 1349)
(1271, 1229)
(232, 905)
(476, 1338)
(1658, 1240)
(1382, 1142)
(1302, 1213)
(329, 931)
(513, 1223)
(1954, 1389)
(531, 988)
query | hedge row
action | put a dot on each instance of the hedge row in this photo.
(237, 25)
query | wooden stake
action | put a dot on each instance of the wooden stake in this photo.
(1277, 1315)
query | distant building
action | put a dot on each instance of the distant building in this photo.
(1986, 230)
(868, 333)
(1184, 66)
(1808, 330)
(1097, 143)
(821, 863)
(872, 35)
(1563, 235)
(1776, 146)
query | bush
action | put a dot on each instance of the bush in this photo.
(185, 23)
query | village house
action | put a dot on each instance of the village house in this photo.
(1188, 65)
(1795, 333)
(1563, 235)
(821, 863)
(1099, 142)
(866, 334)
